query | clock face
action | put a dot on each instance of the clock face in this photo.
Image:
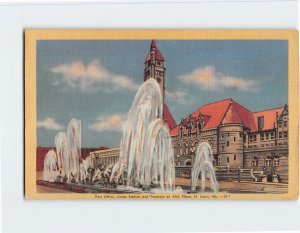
(158, 80)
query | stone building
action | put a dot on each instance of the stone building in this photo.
(104, 157)
(245, 145)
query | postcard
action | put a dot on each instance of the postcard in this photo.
(161, 114)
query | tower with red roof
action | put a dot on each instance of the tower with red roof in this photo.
(155, 68)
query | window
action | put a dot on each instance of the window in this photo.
(276, 161)
(227, 143)
(219, 161)
(253, 138)
(267, 162)
(267, 136)
(272, 135)
(188, 163)
(285, 134)
(234, 157)
(262, 136)
(222, 136)
(285, 123)
(240, 134)
(222, 148)
(280, 134)
(227, 159)
(279, 123)
(260, 121)
(183, 149)
(234, 139)
(254, 162)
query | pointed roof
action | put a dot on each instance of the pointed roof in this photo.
(231, 116)
(168, 118)
(153, 44)
(158, 55)
(245, 115)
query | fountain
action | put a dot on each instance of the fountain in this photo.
(50, 171)
(65, 163)
(61, 143)
(146, 151)
(84, 166)
(203, 165)
(74, 142)
(157, 163)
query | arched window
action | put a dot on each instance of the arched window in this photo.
(190, 147)
(179, 149)
(196, 143)
(184, 148)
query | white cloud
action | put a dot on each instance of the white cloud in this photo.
(208, 78)
(122, 82)
(49, 123)
(90, 77)
(113, 122)
(177, 96)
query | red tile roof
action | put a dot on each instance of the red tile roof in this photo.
(245, 115)
(229, 111)
(270, 118)
(167, 116)
(216, 112)
(231, 116)
(158, 55)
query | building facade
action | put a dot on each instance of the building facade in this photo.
(104, 157)
(242, 142)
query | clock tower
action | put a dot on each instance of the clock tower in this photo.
(155, 67)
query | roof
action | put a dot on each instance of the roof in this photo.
(167, 116)
(215, 110)
(158, 55)
(237, 113)
(229, 111)
(270, 118)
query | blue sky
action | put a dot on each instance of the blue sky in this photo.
(95, 81)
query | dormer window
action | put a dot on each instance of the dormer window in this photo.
(260, 122)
